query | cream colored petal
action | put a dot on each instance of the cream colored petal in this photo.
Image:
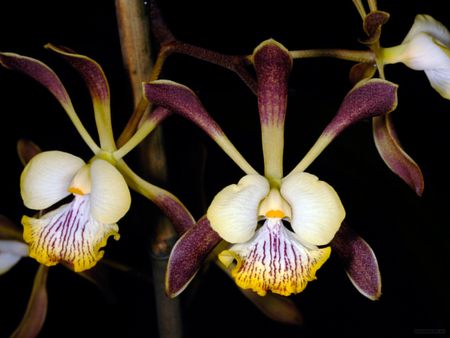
(427, 24)
(233, 213)
(47, 177)
(7, 261)
(423, 52)
(317, 211)
(440, 81)
(110, 195)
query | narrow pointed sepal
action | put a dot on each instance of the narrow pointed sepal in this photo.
(273, 64)
(359, 262)
(188, 254)
(98, 86)
(183, 101)
(39, 72)
(394, 156)
(369, 98)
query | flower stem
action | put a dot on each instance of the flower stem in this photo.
(134, 32)
(344, 54)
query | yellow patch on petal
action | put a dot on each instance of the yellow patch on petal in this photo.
(68, 234)
(274, 260)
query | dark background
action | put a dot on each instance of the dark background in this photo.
(408, 234)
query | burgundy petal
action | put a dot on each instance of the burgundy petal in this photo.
(38, 71)
(393, 154)
(183, 101)
(90, 71)
(359, 262)
(273, 65)
(369, 98)
(188, 255)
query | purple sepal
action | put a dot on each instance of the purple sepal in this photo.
(188, 254)
(394, 156)
(359, 262)
(372, 26)
(38, 71)
(183, 101)
(369, 98)
(90, 71)
(273, 65)
(175, 211)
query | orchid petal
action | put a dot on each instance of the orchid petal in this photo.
(188, 254)
(96, 81)
(183, 101)
(274, 259)
(110, 196)
(47, 178)
(69, 234)
(233, 213)
(427, 24)
(11, 252)
(45, 76)
(369, 98)
(7, 261)
(36, 311)
(273, 65)
(440, 81)
(421, 53)
(317, 211)
(394, 156)
(359, 262)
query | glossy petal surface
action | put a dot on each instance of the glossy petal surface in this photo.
(233, 213)
(47, 178)
(69, 234)
(110, 196)
(274, 260)
(317, 211)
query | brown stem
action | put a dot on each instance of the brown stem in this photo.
(134, 36)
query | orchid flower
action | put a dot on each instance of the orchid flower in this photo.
(270, 257)
(385, 136)
(76, 231)
(426, 47)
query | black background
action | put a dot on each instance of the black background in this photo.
(408, 234)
